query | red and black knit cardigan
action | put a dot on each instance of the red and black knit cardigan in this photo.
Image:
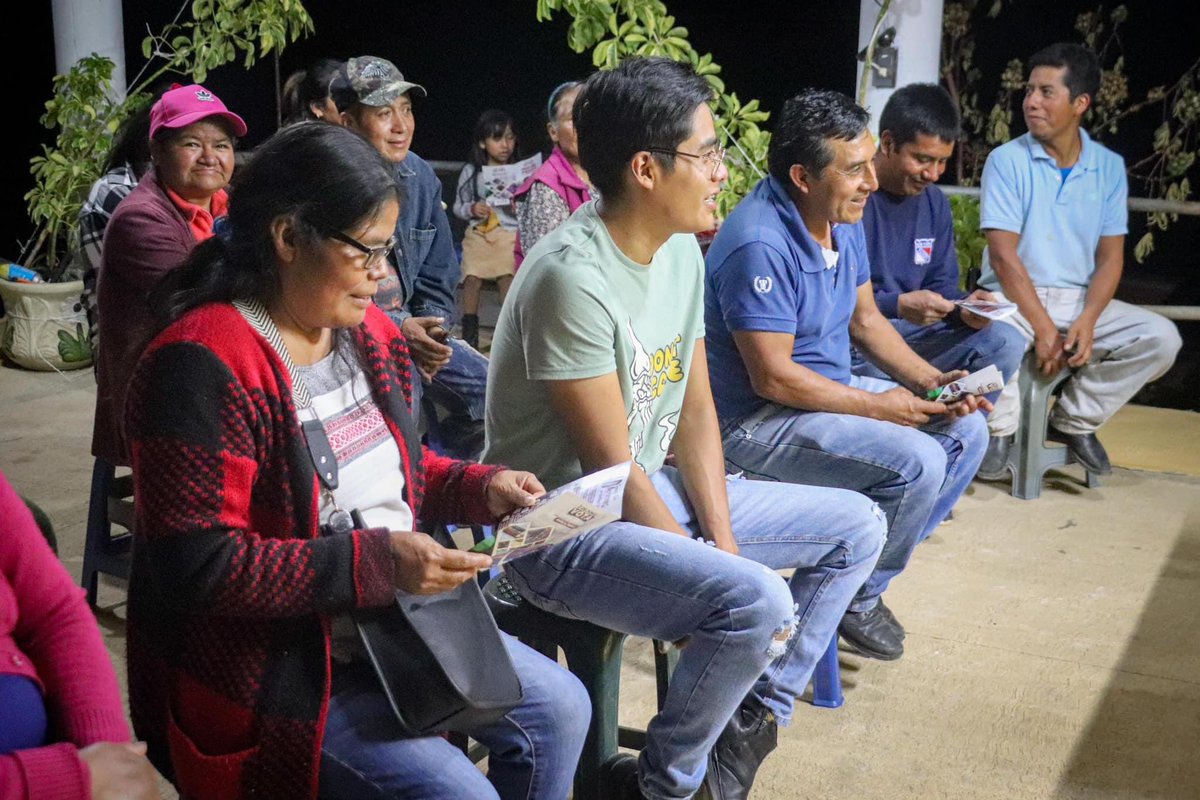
(232, 589)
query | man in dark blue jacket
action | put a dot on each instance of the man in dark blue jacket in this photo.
(418, 294)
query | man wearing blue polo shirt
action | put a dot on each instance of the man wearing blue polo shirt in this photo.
(1054, 212)
(787, 290)
(910, 242)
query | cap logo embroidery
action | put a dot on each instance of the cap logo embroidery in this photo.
(375, 70)
(204, 96)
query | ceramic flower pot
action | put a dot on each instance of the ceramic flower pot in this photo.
(45, 326)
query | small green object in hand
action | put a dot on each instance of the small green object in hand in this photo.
(485, 546)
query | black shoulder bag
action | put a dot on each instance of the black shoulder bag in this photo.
(440, 659)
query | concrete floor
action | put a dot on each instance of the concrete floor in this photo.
(1053, 647)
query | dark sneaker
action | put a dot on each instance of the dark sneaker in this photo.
(619, 778)
(994, 466)
(891, 618)
(748, 738)
(1085, 447)
(872, 634)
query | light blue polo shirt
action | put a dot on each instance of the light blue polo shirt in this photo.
(1060, 222)
(765, 272)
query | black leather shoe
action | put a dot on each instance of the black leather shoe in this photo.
(891, 618)
(994, 466)
(619, 778)
(872, 634)
(1085, 447)
(748, 738)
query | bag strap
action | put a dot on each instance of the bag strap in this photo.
(319, 449)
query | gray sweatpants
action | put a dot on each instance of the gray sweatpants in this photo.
(1132, 347)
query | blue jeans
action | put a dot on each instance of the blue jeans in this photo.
(916, 475)
(951, 345)
(458, 389)
(533, 749)
(734, 612)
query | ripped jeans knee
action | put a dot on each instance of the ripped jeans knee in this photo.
(783, 634)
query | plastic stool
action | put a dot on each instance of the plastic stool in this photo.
(1030, 457)
(827, 678)
(594, 655)
(110, 503)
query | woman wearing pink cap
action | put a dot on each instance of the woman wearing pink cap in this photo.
(192, 137)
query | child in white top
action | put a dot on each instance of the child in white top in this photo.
(492, 229)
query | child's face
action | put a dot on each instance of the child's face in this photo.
(499, 149)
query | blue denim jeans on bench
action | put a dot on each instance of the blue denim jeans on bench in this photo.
(648, 582)
(916, 475)
(533, 750)
(951, 345)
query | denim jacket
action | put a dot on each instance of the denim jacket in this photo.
(426, 264)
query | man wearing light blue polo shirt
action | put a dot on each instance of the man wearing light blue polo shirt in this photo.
(787, 290)
(1054, 212)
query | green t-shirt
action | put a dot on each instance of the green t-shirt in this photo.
(579, 308)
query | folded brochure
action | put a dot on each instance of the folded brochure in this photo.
(988, 310)
(572, 509)
(982, 381)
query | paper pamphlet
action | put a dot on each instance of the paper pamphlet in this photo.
(501, 180)
(983, 381)
(568, 511)
(989, 310)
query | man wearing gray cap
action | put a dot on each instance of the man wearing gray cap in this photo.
(374, 99)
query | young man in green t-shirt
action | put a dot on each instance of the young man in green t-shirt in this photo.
(598, 358)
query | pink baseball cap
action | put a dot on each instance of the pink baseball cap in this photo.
(180, 106)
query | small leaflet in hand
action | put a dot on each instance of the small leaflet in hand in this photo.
(988, 310)
(982, 381)
(571, 510)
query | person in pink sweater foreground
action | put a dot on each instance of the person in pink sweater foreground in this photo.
(63, 733)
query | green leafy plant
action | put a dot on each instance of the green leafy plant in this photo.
(86, 112)
(619, 29)
(969, 240)
(1163, 173)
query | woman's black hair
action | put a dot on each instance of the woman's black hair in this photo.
(131, 142)
(324, 177)
(305, 87)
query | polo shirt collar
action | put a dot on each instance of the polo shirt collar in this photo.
(1087, 154)
(811, 254)
(199, 219)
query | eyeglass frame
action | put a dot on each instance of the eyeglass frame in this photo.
(375, 255)
(716, 157)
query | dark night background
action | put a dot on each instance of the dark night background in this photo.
(473, 55)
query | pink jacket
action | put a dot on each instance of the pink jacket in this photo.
(557, 173)
(47, 633)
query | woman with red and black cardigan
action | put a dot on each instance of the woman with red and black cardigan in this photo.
(241, 677)
(63, 734)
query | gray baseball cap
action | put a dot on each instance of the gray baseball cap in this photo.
(369, 80)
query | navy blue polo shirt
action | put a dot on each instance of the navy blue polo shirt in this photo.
(765, 272)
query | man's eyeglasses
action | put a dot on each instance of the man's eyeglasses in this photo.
(375, 255)
(715, 157)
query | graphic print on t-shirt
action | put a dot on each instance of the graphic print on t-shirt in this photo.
(649, 375)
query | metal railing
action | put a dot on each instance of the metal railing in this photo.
(1143, 204)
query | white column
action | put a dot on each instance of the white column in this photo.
(918, 25)
(83, 27)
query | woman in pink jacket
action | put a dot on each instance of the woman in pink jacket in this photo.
(62, 727)
(561, 184)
